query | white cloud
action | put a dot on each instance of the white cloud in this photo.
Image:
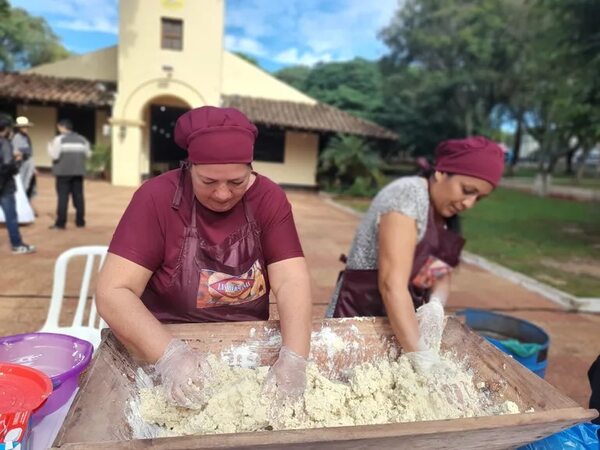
(81, 15)
(298, 31)
(349, 28)
(292, 56)
(288, 32)
(244, 45)
(97, 25)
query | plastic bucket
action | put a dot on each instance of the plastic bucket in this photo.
(499, 328)
(59, 356)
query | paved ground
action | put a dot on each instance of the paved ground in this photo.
(26, 280)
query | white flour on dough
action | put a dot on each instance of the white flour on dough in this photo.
(381, 392)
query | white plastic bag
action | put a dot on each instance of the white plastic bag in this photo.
(24, 209)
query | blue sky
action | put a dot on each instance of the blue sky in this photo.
(277, 33)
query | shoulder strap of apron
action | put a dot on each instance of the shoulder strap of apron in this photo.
(183, 168)
(247, 209)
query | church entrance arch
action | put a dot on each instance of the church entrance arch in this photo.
(161, 114)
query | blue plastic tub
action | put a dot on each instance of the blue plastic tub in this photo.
(498, 329)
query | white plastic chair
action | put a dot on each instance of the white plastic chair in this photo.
(90, 331)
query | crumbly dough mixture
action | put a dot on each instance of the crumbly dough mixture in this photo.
(388, 390)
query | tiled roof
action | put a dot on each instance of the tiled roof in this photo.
(304, 116)
(25, 87)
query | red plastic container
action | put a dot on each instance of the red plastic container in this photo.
(22, 390)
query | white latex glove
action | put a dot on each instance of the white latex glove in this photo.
(287, 377)
(423, 361)
(431, 323)
(431, 326)
(183, 372)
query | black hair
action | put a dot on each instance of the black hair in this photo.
(66, 123)
(5, 122)
(426, 170)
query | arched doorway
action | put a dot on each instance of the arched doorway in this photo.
(161, 114)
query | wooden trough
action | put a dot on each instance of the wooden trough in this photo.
(98, 416)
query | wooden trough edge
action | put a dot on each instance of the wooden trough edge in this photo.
(340, 435)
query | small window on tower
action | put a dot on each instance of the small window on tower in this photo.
(172, 34)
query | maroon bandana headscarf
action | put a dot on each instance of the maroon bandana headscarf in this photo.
(214, 135)
(474, 156)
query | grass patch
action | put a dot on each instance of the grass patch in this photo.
(523, 231)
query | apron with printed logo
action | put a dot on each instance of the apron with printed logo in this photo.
(222, 282)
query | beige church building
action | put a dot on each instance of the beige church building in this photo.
(170, 58)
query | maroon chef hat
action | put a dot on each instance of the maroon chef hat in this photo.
(474, 156)
(214, 135)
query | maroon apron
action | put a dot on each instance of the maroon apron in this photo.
(359, 292)
(213, 283)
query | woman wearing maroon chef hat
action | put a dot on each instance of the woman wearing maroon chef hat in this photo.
(403, 251)
(207, 243)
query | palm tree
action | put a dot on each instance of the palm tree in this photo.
(349, 161)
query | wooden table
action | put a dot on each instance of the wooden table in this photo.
(97, 419)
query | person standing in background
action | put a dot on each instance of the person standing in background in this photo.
(22, 143)
(9, 167)
(69, 151)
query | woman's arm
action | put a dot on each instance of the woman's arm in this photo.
(290, 282)
(120, 285)
(397, 242)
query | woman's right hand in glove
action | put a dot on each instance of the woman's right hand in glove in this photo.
(183, 372)
(423, 361)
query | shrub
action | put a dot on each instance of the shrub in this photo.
(99, 164)
(349, 166)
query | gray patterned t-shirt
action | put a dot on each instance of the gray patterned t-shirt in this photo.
(408, 196)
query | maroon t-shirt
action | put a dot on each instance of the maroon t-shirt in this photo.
(151, 232)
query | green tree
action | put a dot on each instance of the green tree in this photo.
(564, 101)
(294, 76)
(25, 40)
(354, 86)
(350, 166)
(447, 63)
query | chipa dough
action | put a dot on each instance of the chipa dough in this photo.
(385, 391)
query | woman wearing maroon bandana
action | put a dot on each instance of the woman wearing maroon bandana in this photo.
(207, 243)
(403, 251)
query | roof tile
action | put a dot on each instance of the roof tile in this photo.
(26, 87)
(305, 116)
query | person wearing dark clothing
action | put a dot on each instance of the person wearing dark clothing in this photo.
(594, 376)
(68, 151)
(9, 167)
